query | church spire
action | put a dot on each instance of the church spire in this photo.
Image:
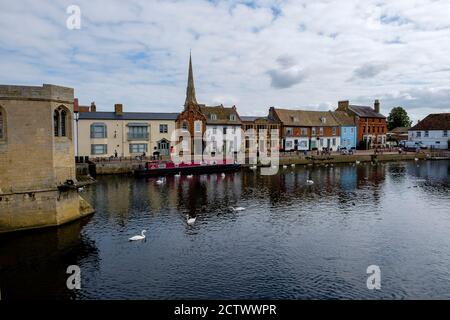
(190, 92)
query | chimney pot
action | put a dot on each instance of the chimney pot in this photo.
(377, 106)
(93, 107)
(118, 108)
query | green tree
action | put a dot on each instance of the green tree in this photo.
(398, 117)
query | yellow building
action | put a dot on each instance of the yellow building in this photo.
(125, 134)
(38, 186)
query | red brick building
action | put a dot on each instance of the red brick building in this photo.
(370, 123)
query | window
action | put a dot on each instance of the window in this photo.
(303, 144)
(163, 128)
(138, 132)
(232, 117)
(304, 132)
(234, 130)
(288, 132)
(2, 124)
(321, 131)
(99, 149)
(61, 122)
(214, 130)
(445, 134)
(321, 142)
(334, 131)
(138, 147)
(288, 144)
(56, 122)
(334, 142)
(213, 116)
(351, 130)
(98, 131)
(185, 125)
(198, 126)
(345, 130)
(427, 134)
(224, 130)
(418, 134)
(313, 131)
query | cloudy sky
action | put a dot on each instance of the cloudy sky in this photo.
(254, 54)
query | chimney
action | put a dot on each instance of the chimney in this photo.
(76, 107)
(377, 106)
(118, 108)
(93, 107)
(343, 105)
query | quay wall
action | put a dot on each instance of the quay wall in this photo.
(123, 167)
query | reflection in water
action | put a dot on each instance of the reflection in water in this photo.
(293, 240)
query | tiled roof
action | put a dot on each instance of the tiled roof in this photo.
(127, 116)
(306, 118)
(343, 118)
(400, 130)
(364, 111)
(436, 121)
(222, 115)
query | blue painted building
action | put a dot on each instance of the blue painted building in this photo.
(348, 129)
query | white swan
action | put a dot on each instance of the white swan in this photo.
(309, 182)
(284, 167)
(190, 176)
(160, 181)
(137, 238)
(293, 165)
(253, 167)
(191, 221)
(357, 162)
(223, 175)
(237, 209)
(81, 189)
(416, 159)
(178, 175)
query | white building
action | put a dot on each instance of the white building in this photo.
(433, 131)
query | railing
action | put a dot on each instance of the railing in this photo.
(138, 136)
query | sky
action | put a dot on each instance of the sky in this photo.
(252, 54)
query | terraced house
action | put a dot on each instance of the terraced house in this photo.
(307, 130)
(125, 134)
(370, 123)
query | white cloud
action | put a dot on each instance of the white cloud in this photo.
(136, 52)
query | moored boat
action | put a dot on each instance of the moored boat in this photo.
(156, 168)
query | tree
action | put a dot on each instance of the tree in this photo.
(398, 118)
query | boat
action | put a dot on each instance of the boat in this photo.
(158, 168)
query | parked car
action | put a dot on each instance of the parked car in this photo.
(413, 145)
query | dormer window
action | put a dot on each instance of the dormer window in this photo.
(213, 116)
(294, 119)
(232, 117)
(323, 120)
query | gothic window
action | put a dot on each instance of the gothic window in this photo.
(61, 122)
(2, 124)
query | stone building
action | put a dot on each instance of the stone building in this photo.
(38, 186)
(214, 128)
(103, 134)
(371, 124)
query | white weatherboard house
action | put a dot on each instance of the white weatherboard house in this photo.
(433, 131)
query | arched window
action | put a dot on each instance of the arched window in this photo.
(56, 123)
(61, 122)
(2, 124)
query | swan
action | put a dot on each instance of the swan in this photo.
(293, 165)
(237, 209)
(284, 167)
(223, 175)
(357, 162)
(416, 159)
(190, 176)
(274, 167)
(141, 237)
(81, 189)
(253, 167)
(160, 181)
(191, 221)
(309, 182)
(178, 175)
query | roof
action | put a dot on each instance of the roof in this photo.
(436, 121)
(400, 130)
(367, 112)
(259, 119)
(306, 118)
(343, 118)
(222, 113)
(127, 116)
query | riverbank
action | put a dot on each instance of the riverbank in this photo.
(128, 167)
